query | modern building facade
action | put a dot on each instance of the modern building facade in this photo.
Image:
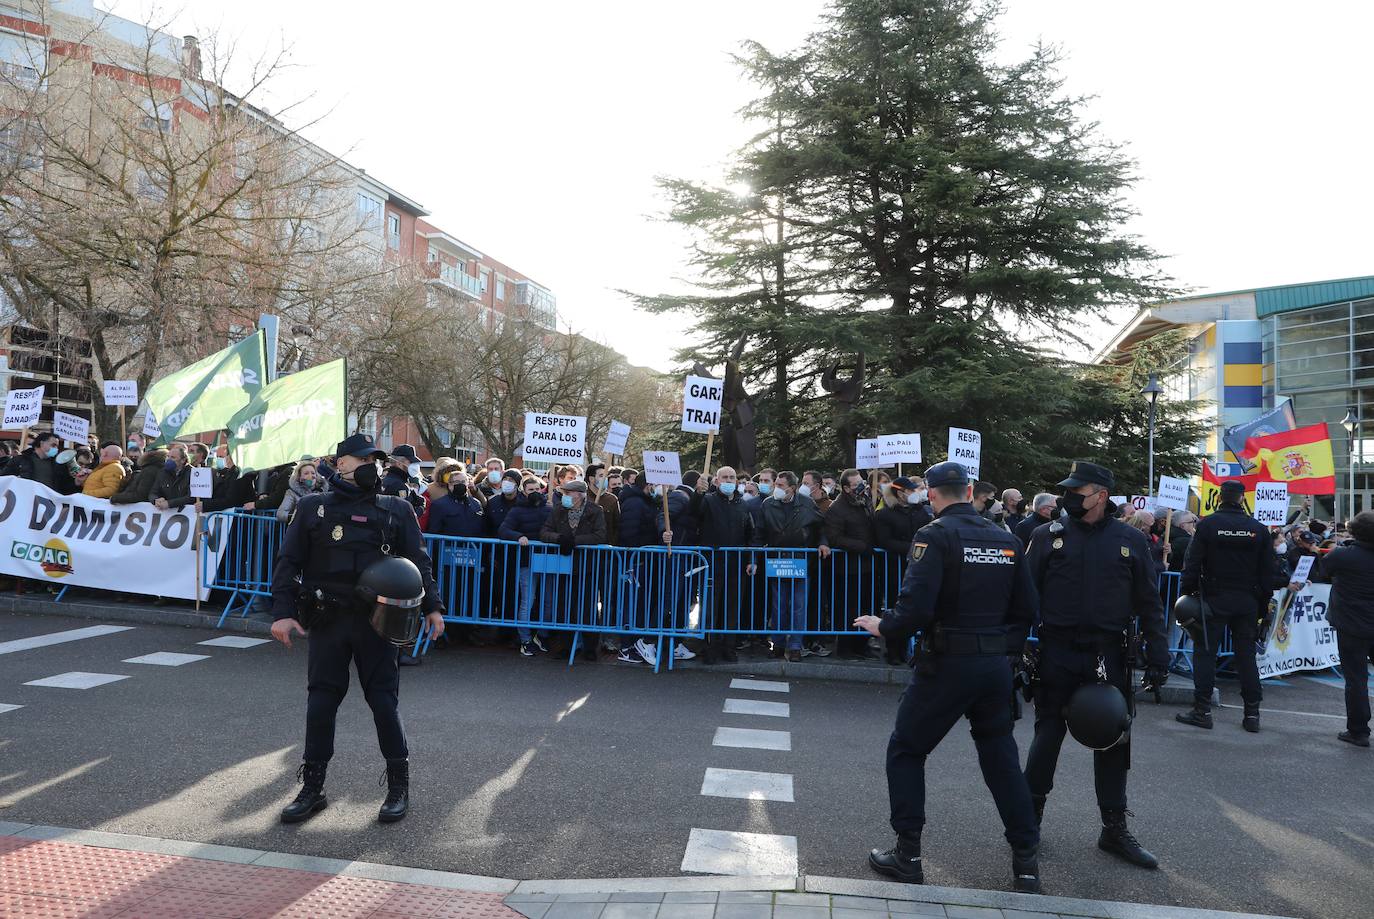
(1250, 349)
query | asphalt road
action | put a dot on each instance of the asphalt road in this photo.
(527, 769)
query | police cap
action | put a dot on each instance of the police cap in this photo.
(1232, 491)
(361, 446)
(1082, 473)
(945, 475)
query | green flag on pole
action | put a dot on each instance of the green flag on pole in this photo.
(298, 415)
(205, 395)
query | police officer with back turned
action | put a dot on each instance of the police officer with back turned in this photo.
(324, 586)
(1094, 575)
(967, 590)
(1231, 563)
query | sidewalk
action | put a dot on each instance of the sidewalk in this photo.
(1178, 691)
(56, 872)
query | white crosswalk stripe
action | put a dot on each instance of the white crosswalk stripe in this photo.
(727, 852)
(754, 707)
(753, 739)
(78, 679)
(58, 638)
(234, 641)
(167, 659)
(744, 783)
(7, 707)
(759, 685)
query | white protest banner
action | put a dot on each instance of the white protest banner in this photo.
(1303, 571)
(1271, 503)
(150, 426)
(662, 468)
(1119, 500)
(202, 482)
(899, 448)
(701, 405)
(22, 407)
(1300, 639)
(1173, 493)
(121, 392)
(555, 438)
(1142, 502)
(866, 454)
(616, 439)
(966, 449)
(70, 427)
(73, 539)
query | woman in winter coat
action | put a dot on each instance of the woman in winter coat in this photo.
(455, 512)
(137, 488)
(304, 481)
(523, 524)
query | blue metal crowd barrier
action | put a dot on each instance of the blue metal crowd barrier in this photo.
(252, 539)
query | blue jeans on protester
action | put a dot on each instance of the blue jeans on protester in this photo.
(789, 611)
(525, 604)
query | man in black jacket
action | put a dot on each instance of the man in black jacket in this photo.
(1349, 569)
(1043, 511)
(173, 486)
(724, 522)
(39, 464)
(904, 511)
(1230, 563)
(1094, 575)
(787, 520)
(402, 470)
(849, 527)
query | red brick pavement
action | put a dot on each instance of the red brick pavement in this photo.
(40, 879)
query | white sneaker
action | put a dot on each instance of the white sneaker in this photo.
(683, 653)
(647, 651)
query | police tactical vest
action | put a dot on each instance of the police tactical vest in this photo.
(979, 573)
(346, 535)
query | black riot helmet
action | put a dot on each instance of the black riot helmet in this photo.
(392, 588)
(1190, 612)
(1097, 716)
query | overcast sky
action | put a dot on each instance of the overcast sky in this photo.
(533, 130)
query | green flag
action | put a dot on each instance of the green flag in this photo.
(204, 396)
(301, 414)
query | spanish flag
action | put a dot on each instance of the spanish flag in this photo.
(1209, 490)
(1301, 457)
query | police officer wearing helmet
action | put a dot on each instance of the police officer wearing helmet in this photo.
(352, 576)
(967, 590)
(1230, 566)
(1094, 576)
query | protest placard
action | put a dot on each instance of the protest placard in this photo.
(202, 482)
(22, 407)
(1303, 570)
(662, 468)
(70, 427)
(899, 448)
(121, 392)
(701, 405)
(150, 426)
(866, 454)
(1173, 493)
(966, 449)
(555, 438)
(616, 439)
(1271, 503)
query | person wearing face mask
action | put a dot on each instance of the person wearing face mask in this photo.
(724, 522)
(1230, 564)
(849, 527)
(812, 487)
(232, 487)
(895, 525)
(831, 487)
(1013, 509)
(173, 487)
(1185, 523)
(523, 524)
(575, 521)
(684, 522)
(456, 512)
(304, 481)
(786, 520)
(1093, 575)
(967, 591)
(1043, 507)
(493, 474)
(504, 498)
(138, 487)
(403, 472)
(39, 464)
(599, 487)
(331, 541)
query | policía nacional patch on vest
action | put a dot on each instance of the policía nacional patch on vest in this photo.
(337, 534)
(1057, 544)
(1125, 551)
(918, 549)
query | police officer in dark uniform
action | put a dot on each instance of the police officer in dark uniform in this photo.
(331, 539)
(1231, 564)
(1094, 575)
(967, 590)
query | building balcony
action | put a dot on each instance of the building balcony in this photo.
(539, 302)
(455, 278)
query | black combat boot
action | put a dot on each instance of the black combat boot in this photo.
(1199, 717)
(1117, 840)
(1025, 870)
(1251, 720)
(1039, 802)
(902, 861)
(397, 782)
(311, 798)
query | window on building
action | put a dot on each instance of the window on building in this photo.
(151, 188)
(433, 255)
(22, 60)
(500, 289)
(393, 231)
(485, 275)
(157, 116)
(19, 144)
(369, 213)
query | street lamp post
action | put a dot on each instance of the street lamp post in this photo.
(1350, 422)
(1152, 389)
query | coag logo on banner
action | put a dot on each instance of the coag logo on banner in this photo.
(53, 556)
